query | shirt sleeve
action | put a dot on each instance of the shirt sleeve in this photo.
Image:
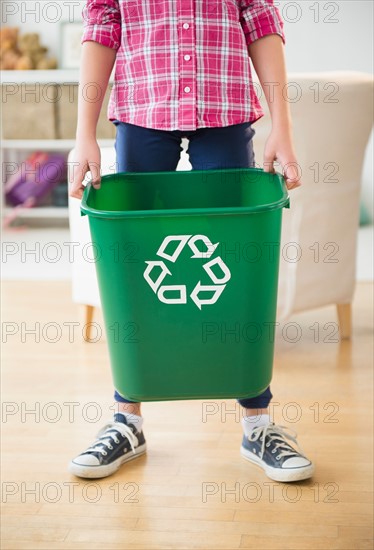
(102, 23)
(259, 18)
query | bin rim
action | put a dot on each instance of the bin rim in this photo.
(283, 202)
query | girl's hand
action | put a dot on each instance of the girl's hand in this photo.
(279, 147)
(86, 158)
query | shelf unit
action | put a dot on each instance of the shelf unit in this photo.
(64, 145)
(13, 148)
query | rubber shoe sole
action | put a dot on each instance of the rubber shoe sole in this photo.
(277, 474)
(93, 472)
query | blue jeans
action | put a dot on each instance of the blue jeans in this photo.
(141, 149)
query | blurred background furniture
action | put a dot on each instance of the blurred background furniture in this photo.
(332, 115)
(48, 100)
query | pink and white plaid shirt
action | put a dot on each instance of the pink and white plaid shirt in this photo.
(182, 64)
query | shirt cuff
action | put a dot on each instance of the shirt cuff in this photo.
(106, 35)
(262, 24)
(264, 31)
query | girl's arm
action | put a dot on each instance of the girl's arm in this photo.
(100, 42)
(267, 56)
(97, 62)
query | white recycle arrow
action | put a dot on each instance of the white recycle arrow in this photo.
(210, 247)
(217, 291)
(182, 299)
(182, 241)
(225, 270)
(164, 271)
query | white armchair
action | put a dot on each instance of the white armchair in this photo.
(332, 120)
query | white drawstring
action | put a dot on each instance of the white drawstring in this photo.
(110, 428)
(274, 431)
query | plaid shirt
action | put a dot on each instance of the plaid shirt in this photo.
(182, 64)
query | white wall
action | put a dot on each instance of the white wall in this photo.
(339, 36)
(320, 36)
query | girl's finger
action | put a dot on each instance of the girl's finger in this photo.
(77, 192)
(292, 174)
(95, 174)
(268, 164)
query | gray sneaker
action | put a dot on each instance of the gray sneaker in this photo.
(267, 447)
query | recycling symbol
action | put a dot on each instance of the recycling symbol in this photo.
(179, 292)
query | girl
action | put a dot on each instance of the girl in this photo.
(183, 70)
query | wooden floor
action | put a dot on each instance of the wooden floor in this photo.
(192, 489)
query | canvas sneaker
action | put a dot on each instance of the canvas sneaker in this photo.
(268, 447)
(117, 442)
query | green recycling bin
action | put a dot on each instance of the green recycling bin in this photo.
(187, 265)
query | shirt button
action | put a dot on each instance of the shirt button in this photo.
(187, 89)
(186, 26)
(187, 57)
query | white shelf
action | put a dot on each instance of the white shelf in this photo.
(57, 76)
(42, 77)
(48, 144)
(38, 212)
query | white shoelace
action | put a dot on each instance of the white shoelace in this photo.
(110, 429)
(274, 431)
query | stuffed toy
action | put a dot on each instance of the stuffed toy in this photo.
(9, 53)
(33, 53)
(23, 52)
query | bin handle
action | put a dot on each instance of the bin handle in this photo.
(85, 196)
(284, 189)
